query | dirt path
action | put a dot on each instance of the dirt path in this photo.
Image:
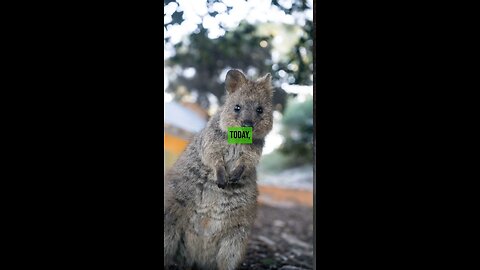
(282, 235)
(282, 238)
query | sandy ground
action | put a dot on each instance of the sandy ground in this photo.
(282, 235)
(282, 238)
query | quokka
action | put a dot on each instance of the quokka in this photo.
(211, 190)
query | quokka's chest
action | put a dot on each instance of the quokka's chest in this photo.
(205, 225)
(232, 154)
(210, 213)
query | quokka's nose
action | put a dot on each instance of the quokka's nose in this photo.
(247, 123)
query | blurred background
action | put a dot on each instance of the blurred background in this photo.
(203, 39)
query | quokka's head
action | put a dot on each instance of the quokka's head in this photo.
(248, 103)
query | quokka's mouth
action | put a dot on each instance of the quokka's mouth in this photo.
(249, 126)
(248, 123)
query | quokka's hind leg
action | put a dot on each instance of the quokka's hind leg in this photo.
(171, 240)
(183, 258)
(232, 249)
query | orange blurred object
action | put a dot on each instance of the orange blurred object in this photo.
(278, 196)
(174, 144)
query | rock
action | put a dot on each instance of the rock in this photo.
(278, 223)
(269, 249)
(290, 267)
(295, 241)
(297, 252)
(267, 241)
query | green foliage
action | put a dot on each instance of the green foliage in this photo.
(209, 57)
(299, 62)
(299, 65)
(268, 261)
(296, 6)
(278, 161)
(297, 130)
(238, 48)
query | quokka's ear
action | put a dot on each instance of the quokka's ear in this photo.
(234, 80)
(266, 80)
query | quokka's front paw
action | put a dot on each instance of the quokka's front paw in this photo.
(221, 181)
(237, 173)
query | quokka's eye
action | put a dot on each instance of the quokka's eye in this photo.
(237, 108)
(259, 110)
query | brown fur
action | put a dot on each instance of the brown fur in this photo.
(211, 191)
